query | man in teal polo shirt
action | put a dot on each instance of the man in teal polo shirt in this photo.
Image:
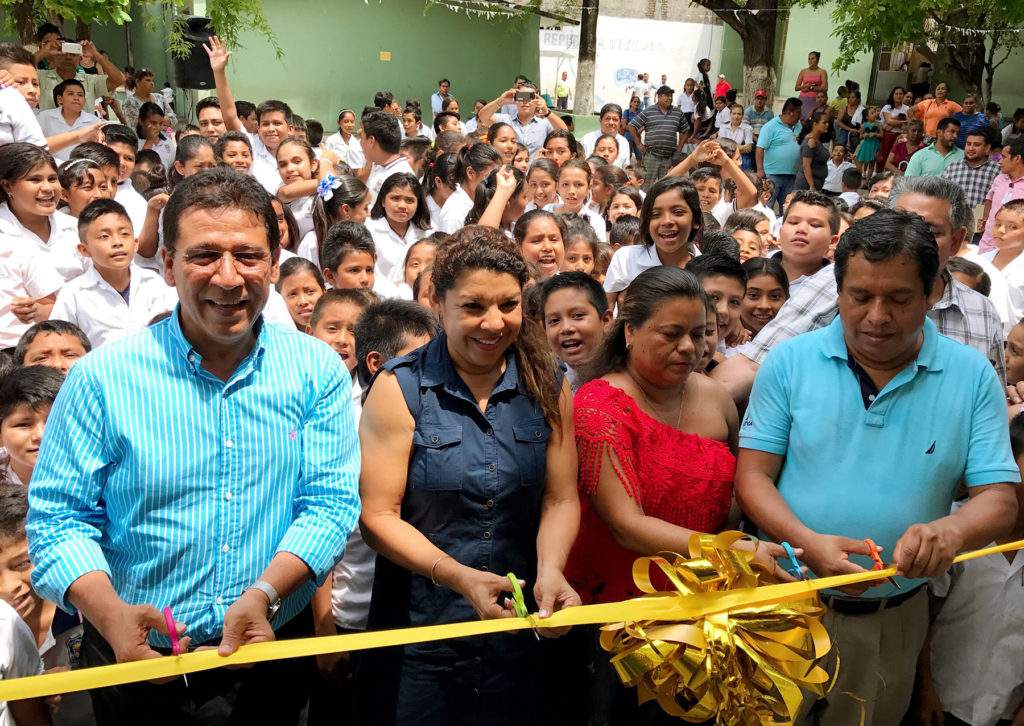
(862, 429)
(778, 153)
(932, 160)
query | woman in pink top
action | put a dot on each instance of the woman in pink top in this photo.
(811, 80)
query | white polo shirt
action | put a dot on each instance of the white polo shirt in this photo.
(59, 252)
(589, 141)
(17, 122)
(302, 210)
(628, 262)
(91, 303)
(392, 249)
(52, 122)
(264, 165)
(381, 172)
(22, 274)
(454, 211)
(133, 203)
(165, 148)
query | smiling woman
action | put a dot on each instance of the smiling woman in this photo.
(469, 471)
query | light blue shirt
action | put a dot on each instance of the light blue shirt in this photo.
(929, 162)
(781, 151)
(531, 134)
(182, 487)
(436, 101)
(871, 473)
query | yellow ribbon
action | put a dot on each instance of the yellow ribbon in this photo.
(668, 607)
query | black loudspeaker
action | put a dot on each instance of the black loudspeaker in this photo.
(193, 70)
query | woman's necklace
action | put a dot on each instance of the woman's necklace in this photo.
(658, 413)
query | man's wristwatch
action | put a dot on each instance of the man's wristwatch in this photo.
(274, 599)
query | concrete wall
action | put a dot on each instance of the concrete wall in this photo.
(332, 54)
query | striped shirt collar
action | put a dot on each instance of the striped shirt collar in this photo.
(194, 360)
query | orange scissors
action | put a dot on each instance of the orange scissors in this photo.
(879, 565)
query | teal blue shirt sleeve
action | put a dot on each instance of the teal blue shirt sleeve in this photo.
(914, 166)
(767, 422)
(989, 456)
(327, 504)
(67, 517)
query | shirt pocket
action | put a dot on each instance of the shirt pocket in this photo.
(439, 460)
(531, 451)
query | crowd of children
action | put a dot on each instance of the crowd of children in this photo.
(362, 214)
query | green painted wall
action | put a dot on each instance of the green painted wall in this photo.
(332, 55)
(812, 30)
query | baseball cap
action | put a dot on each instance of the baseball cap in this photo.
(664, 91)
(760, 94)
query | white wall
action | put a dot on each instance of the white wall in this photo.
(625, 47)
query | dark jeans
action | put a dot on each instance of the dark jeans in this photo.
(275, 692)
(784, 184)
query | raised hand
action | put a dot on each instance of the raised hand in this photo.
(218, 53)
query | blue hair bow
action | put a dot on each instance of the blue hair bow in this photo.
(325, 189)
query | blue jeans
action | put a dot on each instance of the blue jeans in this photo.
(784, 184)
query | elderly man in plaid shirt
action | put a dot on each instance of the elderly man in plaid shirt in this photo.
(958, 311)
(975, 172)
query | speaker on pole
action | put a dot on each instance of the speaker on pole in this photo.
(193, 70)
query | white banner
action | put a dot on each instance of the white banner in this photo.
(626, 47)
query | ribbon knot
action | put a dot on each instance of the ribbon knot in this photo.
(743, 665)
(325, 189)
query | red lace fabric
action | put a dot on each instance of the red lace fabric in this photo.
(678, 477)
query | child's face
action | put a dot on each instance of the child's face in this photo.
(635, 179)
(710, 193)
(515, 207)
(347, 124)
(750, 244)
(127, 156)
(36, 193)
(419, 257)
(273, 128)
(727, 294)
(543, 246)
(572, 325)
(607, 150)
(719, 104)
(336, 328)
(400, 205)
(410, 125)
(300, 292)
(237, 154)
(355, 270)
(521, 161)
(599, 191)
(282, 223)
(201, 160)
(1015, 355)
(293, 164)
(558, 151)
(619, 205)
(573, 187)
(21, 433)
(804, 237)
(671, 222)
(838, 154)
(761, 302)
(94, 185)
(579, 256)
(1008, 231)
(736, 116)
(109, 242)
(15, 576)
(710, 340)
(542, 187)
(764, 228)
(153, 124)
(358, 213)
(56, 350)
(505, 143)
(72, 100)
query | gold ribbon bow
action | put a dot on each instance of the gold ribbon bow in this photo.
(744, 665)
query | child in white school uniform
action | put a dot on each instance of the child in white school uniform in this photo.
(300, 175)
(115, 297)
(29, 192)
(1005, 264)
(69, 115)
(398, 220)
(971, 670)
(121, 140)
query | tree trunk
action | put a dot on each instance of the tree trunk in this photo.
(583, 98)
(83, 31)
(22, 12)
(757, 31)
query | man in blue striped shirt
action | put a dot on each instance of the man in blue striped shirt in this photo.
(208, 464)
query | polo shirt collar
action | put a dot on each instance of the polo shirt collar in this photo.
(833, 345)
